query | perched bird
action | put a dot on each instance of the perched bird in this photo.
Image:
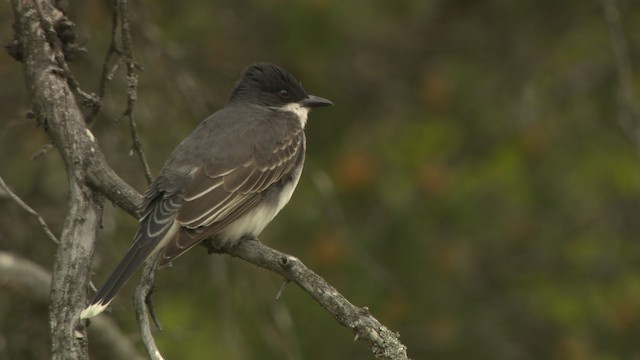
(227, 180)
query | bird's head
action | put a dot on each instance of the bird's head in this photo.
(270, 85)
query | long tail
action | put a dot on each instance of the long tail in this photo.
(136, 255)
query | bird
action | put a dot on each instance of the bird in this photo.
(226, 180)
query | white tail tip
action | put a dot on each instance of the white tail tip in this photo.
(93, 310)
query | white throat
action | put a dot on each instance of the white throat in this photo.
(301, 111)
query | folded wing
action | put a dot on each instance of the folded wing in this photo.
(218, 195)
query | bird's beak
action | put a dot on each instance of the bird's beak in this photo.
(312, 101)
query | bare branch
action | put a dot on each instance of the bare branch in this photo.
(103, 179)
(28, 209)
(33, 282)
(384, 343)
(55, 105)
(48, 23)
(42, 151)
(107, 72)
(140, 300)
(132, 87)
(90, 178)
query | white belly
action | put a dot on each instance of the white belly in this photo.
(253, 222)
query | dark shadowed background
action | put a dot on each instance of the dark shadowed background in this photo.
(476, 185)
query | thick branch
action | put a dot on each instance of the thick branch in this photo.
(55, 106)
(103, 179)
(31, 281)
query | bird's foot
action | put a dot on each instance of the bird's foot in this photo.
(211, 247)
(216, 247)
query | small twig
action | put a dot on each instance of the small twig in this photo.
(284, 284)
(132, 86)
(107, 73)
(140, 301)
(43, 150)
(152, 312)
(28, 209)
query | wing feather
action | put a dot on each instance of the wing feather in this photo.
(203, 189)
(208, 207)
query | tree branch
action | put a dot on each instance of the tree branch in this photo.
(384, 343)
(90, 178)
(55, 106)
(33, 282)
(132, 86)
(107, 69)
(103, 179)
(141, 300)
(30, 210)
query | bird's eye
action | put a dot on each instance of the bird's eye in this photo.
(284, 93)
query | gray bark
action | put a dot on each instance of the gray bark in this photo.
(55, 106)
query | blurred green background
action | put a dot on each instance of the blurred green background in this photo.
(476, 185)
